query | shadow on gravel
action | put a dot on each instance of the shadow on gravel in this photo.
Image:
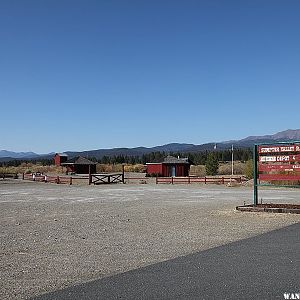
(262, 267)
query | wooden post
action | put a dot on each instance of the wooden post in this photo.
(23, 176)
(123, 173)
(156, 179)
(205, 179)
(90, 175)
(71, 180)
(57, 180)
(172, 180)
(223, 181)
(189, 179)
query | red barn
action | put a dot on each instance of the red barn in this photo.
(170, 167)
(60, 158)
(80, 165)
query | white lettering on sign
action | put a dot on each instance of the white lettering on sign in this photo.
(277, 158)
(278, 149)
(283, 158)
(287, 149)
(267, 158)
(269, 149)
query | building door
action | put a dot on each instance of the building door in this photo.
(173, 171)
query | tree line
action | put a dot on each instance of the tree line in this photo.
(197, 158)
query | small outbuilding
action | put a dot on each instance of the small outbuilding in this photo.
(60, 158)
(170, 167)
(79, 165)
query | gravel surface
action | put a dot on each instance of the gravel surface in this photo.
(54, 236)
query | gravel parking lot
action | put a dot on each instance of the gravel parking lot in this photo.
(54, 236)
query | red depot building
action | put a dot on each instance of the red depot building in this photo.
(170, 167)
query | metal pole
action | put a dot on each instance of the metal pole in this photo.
(255, 173)
(232, 161)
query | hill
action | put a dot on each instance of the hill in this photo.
(283, 136)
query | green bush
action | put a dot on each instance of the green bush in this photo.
(249, 169)
(212, 165)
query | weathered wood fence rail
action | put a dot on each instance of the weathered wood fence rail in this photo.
(8, 175)
(105, 178)
(90, 179)
(205, 180)
(53, 179)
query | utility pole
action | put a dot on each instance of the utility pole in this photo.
(231, 165)
(232, 161)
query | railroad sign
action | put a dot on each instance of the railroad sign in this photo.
(277, 164)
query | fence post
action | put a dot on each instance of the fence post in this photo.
(172, 180)
(205, 179)
(123, 173)
(23, 176)
(57, 180)
(223, 181)
(156, 179)
(71, 180)
(189, 179)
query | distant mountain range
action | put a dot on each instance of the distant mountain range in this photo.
(287, 135)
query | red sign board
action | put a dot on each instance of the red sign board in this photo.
(285, 167)
(279, 162)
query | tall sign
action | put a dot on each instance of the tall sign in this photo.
(276, 163)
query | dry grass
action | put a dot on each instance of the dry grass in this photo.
(107, 168)
(224, 169)
(29, 168)
(238, 168)
(198, 171)
(100, 168)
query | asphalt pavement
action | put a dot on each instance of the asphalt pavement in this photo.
(262, 267)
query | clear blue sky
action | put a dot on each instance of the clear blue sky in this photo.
(83, 74)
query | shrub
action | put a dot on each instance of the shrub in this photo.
(249, 169)
(212, 164)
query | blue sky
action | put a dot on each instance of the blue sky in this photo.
(83, 74)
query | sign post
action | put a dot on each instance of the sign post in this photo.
(255, 175)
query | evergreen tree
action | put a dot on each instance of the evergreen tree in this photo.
(212, 164)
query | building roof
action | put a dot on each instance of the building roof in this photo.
(78, 160)
(174, 160)
(171, 160)
(62, 154)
